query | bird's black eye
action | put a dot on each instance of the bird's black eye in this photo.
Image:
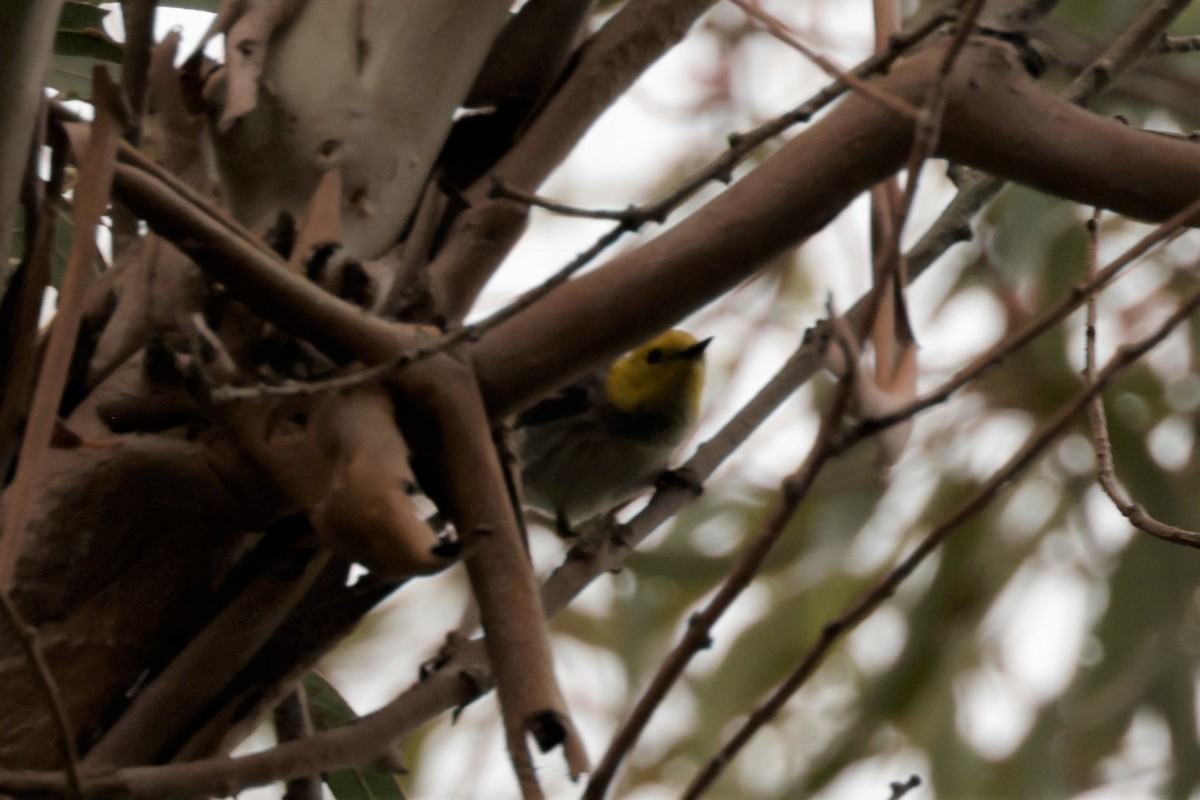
(654, 356)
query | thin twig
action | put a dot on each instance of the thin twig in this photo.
(1179, 44)
(883, 589)
(1138, 40)
(1098, 423)
(501, 189)
(780, 31)
(1046, 319)
(27, 635)
(698, 635)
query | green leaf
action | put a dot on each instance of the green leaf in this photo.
(72, 76)
(89, 43)
(329, 710)
(62, 247)
(78, 16)
(363, 784)
(198, 5)
(78, 44)
(326, 706)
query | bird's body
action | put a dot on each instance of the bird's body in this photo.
(599, 441)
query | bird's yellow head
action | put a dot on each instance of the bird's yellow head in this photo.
(665, 376)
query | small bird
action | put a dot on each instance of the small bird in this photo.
(597, 442)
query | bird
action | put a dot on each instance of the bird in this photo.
(599, 441)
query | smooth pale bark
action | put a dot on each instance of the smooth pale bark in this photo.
(372, 88)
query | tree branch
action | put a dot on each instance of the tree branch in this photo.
(177, 696)
(1098, 424)
(886, 586)
(699, 628)
(796, 191)
(91, 200)
(467, 675)
(442, 393)
(609, 62)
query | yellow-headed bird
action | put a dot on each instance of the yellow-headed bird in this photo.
(600, 441)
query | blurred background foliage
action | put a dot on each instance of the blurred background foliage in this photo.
(1045, 651)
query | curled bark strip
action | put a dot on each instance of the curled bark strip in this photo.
(367, 512)
(247, 25)
(322, 223)
(172, 132)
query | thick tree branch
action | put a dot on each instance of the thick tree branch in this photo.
(990, 99)
(608, 65)
(255, 275)
(886, 586)
(444, 391)
(178, 696)
(789, 198)
(91, 200)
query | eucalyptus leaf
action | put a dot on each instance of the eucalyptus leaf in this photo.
(196, 5)
(90, 43)
(72, 76)
(77, 16)
(328, 710)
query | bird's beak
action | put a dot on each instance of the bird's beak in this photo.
(697, 350)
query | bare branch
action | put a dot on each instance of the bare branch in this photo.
(609, 62)
(886, 586)
(630, 215)
(91, 200)
(292, 722)
(1134, 43)
(1190, 216)
(780, 32)
(798, 189)
(259, 276)
(471, 480)
(699, 629)
(720, 169)
(1098, 424)
(467, 675)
